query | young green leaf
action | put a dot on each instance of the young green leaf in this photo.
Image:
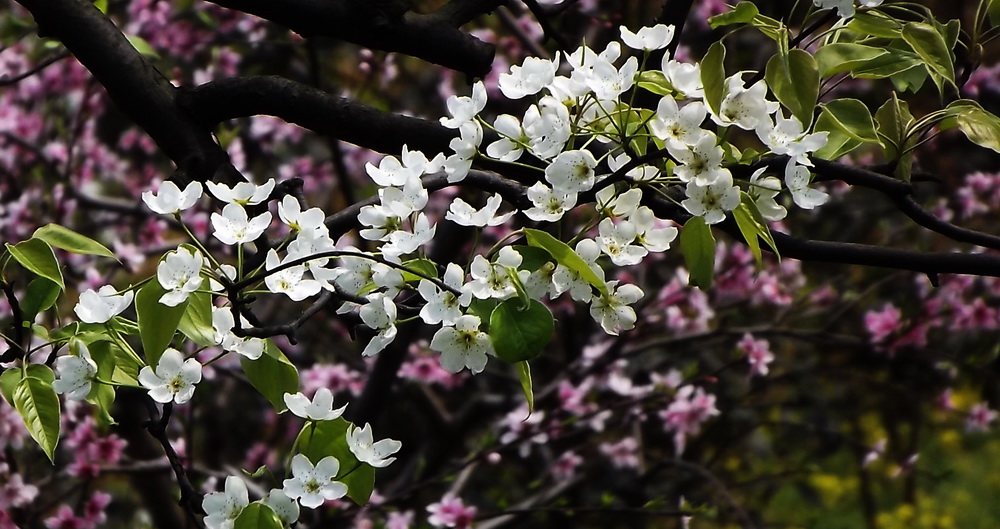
(37, 256)
(257, 516)
(329, 438)
(743, 13)
(71, 241)
(40, 295)
(38, 405)
(713, 76)
(655, 82)
(698, 248)
(524, 376)
(520, 334)
(930, 45)
(196, 322)
(753, 226)
(157, 322)
(851, 117)
(565, 256)
(272, 375)
(978, 124)
(796, 85)
(845, 56)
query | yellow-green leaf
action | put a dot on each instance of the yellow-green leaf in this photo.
(71, 241)
(37, 256)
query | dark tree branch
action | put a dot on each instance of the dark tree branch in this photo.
(138, 89)
(674, 12)
(908, 206)
(157, 427)
(458, 12)
(374, 25)
(550, 32)
(313, 109)
(6, 80)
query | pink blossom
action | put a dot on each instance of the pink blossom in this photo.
(451, 512)
(691, 407)
(623, 454)
(884, 323)
(979, 418)
(758, 354)
(399, 520)
(564, 468)
(65, 519)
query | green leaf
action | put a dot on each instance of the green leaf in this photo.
(753, 226)
(40, 295)
(979, 125)
(524, 376)
(8, 381)
(196, 322)
(142, 46)
(157, 322)
(423, 266)
(875, 24)
(883, 66)
(71, 241)
(851, 117)
(773, 29)
(655, 82)
(797, 85)
(329, 438)
(892, 122)
(38, 405)
(483, 308)
(518, 333)
(698, 248)
(114, 364)
(102, 6)
(713, 76)
(272, 375)
(838, 143)
(930, 45)
(912, 79)
(37, 256)
(532, 258)
(565, 256)
(844, 57)
(993, 10)
(743, 13)
(257, 516)
(102, 396)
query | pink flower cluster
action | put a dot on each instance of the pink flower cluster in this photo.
(684, 416)
(451, 512)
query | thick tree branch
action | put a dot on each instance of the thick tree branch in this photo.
(138, 89)
(458, 12)
(432, 38)
(313, 109)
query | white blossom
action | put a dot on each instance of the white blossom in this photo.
(701, 162)
(179, 273)
(290, 212)
(744, 107)
(763, 191)
(614, 204)
(393, 172)
(547, 126)
(313, 485)
(566, 279)
(379, 314)
(492, 280)
(320, 408)
(102, 305)
(685, 77)
(173, 379)
(286, 508)
(463, 346)
(288, 281)
(223, 508)
(616, 240)
(609, 82)
(443, 306)
(648, 38)
(529, 78)
(678, 126)
(243, 193)
(464, 109)
(223, 323)
(648, 235)
(234, 227)
(549, 204)
(75, 373)
(797, 181)
(362, 444)
(786, 136)
(460, 212)
(170, 199)
(612, 310)
(572, 171)
(641, 173)
(713, 200)
(512, 140)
